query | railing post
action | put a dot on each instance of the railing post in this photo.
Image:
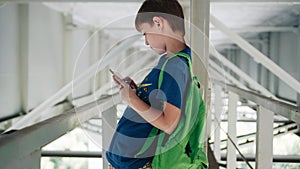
(232, 118)
(109, 121)
(264, 138)
(217, 121)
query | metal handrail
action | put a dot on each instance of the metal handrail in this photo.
(287, 110)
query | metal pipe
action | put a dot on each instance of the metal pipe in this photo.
(77, 154)
(276, 158)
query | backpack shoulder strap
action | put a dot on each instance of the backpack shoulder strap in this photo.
(186, 56)
(155, 131)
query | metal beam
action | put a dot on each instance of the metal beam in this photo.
(257, 55)
(22, 143)
(242, 74)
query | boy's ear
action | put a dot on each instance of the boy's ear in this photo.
(158, 22)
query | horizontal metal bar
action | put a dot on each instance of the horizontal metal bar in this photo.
(277, 131)
(276, 158)
(254, 121)
(139, 1)
(80, 154)
(256, 1)
(263, 29)
(23, 142)
(289, 111)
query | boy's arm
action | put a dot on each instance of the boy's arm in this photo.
(165, 120)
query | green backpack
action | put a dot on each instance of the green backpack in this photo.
(183, 149)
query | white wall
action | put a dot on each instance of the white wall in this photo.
(78, 59)
(37, 57)
(9, 69)
(45, 54)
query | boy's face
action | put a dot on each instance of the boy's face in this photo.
(153, 37)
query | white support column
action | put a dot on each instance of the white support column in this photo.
(217, 122)
(200, 12)
(200, 38)
(257, 55)
(264, 138)
(232, 118)
(109, 122)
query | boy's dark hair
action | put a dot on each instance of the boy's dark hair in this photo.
(170, 10)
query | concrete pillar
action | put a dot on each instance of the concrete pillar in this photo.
(264, 138)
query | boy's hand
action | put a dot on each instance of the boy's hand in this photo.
(126, 91)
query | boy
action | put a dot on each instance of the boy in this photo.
(162, 23)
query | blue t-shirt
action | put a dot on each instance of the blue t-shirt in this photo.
(132, 130)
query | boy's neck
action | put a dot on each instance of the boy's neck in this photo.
(174, 46)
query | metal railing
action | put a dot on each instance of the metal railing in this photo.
(266, 108)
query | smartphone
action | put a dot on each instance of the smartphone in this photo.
(130, 82)
(116, 73)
